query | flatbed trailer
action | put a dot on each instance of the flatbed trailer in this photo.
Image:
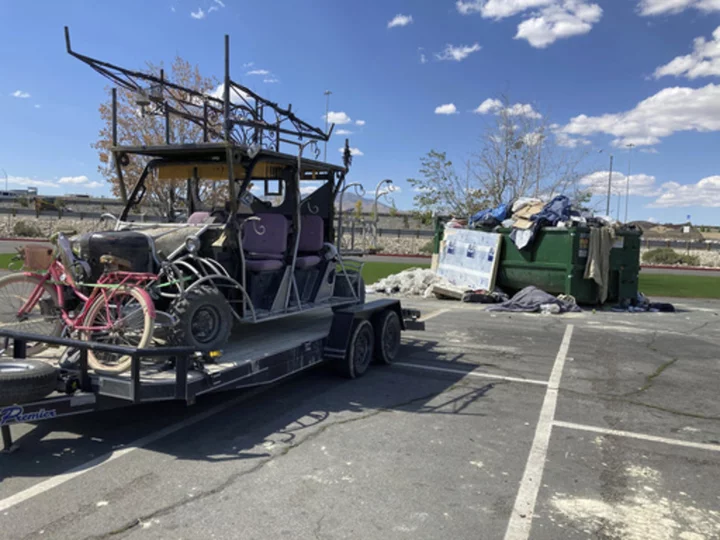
(259, 354)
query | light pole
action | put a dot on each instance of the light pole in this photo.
(375, 212)
(360, 190)
(327, 94)
(607, 210)
(627, 181)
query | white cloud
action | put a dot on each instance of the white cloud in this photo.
(338, 118)
(235, 95)
(704, 61)
(93, 185)
(705, 193)
(172, 8)
(76, 180)
(343, 132)
(459, 53)
(219, 3)
(652, 220)
(353, 151)
(37, 106)
(448, 108)
(662, 7)
(498, 9)
(199, 14)
(20, 94)
(248, 65)
(271, 80)
(559, 21)
(518, 109)
(359, 122)
(548, 20)
(649, 151)
(489, 106)
(400, 20)
(641, 185)
(212, 8)
(669, 111)
(25, 181)
(423, 58)
(564, 140)
(258, 72)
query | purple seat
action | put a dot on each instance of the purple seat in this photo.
(312, 230)
(198, 218)
(265, 242)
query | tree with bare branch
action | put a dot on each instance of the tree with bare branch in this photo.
(135, 128)
(518, 157)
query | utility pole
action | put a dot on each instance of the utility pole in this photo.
(627, 181)
(607, 210)
(327, 94)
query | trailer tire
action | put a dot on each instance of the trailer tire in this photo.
(387, 337)
(360, 350)
(212, 307)
(25, 381)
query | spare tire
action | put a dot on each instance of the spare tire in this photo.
(25, 381)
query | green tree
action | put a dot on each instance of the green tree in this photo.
(440, 190)
(358, 212)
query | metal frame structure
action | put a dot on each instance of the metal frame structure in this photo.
(239, 134)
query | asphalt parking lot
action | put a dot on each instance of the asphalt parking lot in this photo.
(592, 425)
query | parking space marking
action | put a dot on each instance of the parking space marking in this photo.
(471, 373)
(522, 513)
(640, 436)
(60, 479)
(434, 314)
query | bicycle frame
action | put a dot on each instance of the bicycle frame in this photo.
(107, 285)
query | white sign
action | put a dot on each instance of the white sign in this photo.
(469, 259)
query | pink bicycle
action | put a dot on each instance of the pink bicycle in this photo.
(116, 309)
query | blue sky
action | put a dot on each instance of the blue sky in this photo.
(607, 73)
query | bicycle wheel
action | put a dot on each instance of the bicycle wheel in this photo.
(44, 316)
(123, 318)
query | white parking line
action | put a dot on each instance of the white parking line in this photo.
(60, 479)
(434, 314)
(522, 513)
(641, 436)
(471, 373)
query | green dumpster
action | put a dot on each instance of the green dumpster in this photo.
(556, 263)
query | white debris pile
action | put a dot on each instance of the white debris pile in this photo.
(410, 282)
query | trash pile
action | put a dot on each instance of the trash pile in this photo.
(410, 282)
(527, 215)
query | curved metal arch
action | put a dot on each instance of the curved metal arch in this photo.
(234, 284)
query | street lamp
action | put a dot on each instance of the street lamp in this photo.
(360, 191)
(377, 196)
(627, 181)
(327, 94)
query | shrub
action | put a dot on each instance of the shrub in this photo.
(427, 248)
(27, 229)
(669, 256)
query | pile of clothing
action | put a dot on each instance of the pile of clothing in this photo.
(526, 216)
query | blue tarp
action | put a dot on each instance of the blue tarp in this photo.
(554, 212)
(500, 213)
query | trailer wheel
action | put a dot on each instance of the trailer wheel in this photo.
(387, 337)
(360, 350)
(24, 381)
(205, 319)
